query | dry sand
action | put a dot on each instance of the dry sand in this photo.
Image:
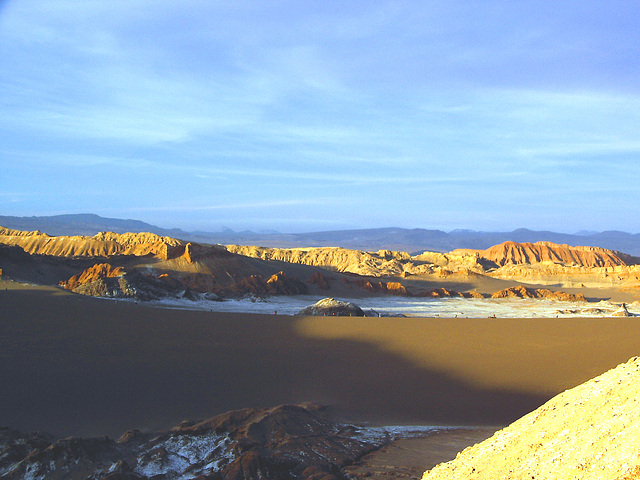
(75, 365)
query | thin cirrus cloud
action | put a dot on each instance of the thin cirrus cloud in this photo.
(452, 111)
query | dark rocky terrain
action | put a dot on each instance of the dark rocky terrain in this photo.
(285, 442)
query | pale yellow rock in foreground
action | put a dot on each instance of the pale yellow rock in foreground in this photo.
(591, 431)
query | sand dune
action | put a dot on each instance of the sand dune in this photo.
(77, 365)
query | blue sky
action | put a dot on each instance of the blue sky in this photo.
(320, 115)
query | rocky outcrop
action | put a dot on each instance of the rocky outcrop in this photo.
(193, 252)
(512, 253)
(282, 443)
(588, 432)
(278, 284)
(15, 446)
(457, 260)
(332, 307)
(447, 293)
(539, 293)
(387, 288)
(103, 280)
(99, 271)
(281, 284)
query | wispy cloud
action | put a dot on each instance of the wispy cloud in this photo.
(234, 207)
(277, 109)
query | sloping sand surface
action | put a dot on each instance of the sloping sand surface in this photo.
(76, 365)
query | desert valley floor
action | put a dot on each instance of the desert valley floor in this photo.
(74, 365)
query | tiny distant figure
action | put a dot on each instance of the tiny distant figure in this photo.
(275, 312)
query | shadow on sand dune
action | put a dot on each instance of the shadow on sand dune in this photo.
(72, 365)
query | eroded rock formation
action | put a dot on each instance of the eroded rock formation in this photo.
(249, 270)
(448, 293)
(388, 288)
(512, 253)
(539, 293)
(383, 263)
(278, 284)
(541, 262)
(104, 244)
(103, 280)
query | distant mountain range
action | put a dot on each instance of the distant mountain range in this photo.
(373, 239)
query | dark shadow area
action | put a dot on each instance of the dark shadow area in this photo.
(49, 269)
(74, 365)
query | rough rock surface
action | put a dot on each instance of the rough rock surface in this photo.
(372, 264)
(589, 432)
(100, 245)
(284, 443)
(97, 272)
(338, 259)
(278, 284)
(389, 288)
(235, 270)
(541, 263)
(103, 280)
(540, 293)
(332, 307)
(447, 293)
(529, 253)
